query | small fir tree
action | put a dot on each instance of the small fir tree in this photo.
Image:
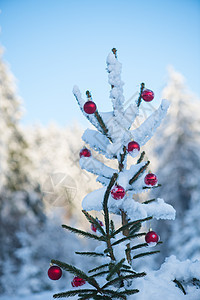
(120, 245)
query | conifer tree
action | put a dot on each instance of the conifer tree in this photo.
(178, 164)
(120, 245)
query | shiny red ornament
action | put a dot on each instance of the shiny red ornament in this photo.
(89, 107)
(77, 281)
(85, 153)
(152, 238)
(133, 146)
(93, 226)
(147, 95)
(150, 179)
(54, 272)
(118, 192)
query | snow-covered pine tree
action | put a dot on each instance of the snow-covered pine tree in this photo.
(120, 245)
(179, 165)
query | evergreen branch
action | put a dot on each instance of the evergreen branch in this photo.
(180, 286)
(141, 170)
(141, 157)
(77, 272)
(90, 296)
(122, 278)
(128, 238)
(100, 273)
(149, 201)
(129, 292)
(112, 227)
(140, 96)
(139, 246)
(152, 187)
(127, 271)
(115, 268)
(145, 254)
(98, 268)
(135, 228)
(106, 213)
(130, 224)
(84, 233)
(92, 220)
(94, 254)
(102, 124)
(73, 293)
(126, 267)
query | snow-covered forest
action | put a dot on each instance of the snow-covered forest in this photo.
(42, 186)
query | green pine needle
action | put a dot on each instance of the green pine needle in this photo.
(128, 238)
(122, 228)
(115, 268)
(98, 268)
(145, 254)
(122, 278)
(149, 201)
(92, 220)
(94, 254)
(73, 293)
(75, 271)
(84, 233)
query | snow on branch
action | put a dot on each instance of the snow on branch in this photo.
(144, 133)
(81, 103)
(96, 167)
(97, 141)
(114, 78)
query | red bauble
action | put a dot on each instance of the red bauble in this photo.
(93, 226)
(54, 272)
(152, 238)
(89, 107)
(133, 146)
(85, 153)
(118, 192)
(147, 95)
(77, 281)
(150, 179)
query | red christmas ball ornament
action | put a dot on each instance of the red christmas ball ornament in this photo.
(89, 107)
(118, 192)
(54, 272)
(93, 226)
(133, 146)
(147, 95)
(85, 153)
(77, 281)
(150, 179)
(152, 238)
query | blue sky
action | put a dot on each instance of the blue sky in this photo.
(52, 45)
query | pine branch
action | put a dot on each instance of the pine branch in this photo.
(98, 268)
(139, 246)
(135, 228)
(141, 170)
(140, 96)
(106, 213)
(145, 254)
(129, 292)
(90, 296)
(73, 293)
(102, 124)
(122, 278)
(149, 201)
(141, 157)
(129, 225)
(77, 272)
(92, 220)
(115, 268)
(94, 254)
(180, 286)
(100, 273)
(84, 233)
(127, 271)
(112, 227)
(128, 238)
(122, 158)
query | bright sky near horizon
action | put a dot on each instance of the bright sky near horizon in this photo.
(53, 45)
